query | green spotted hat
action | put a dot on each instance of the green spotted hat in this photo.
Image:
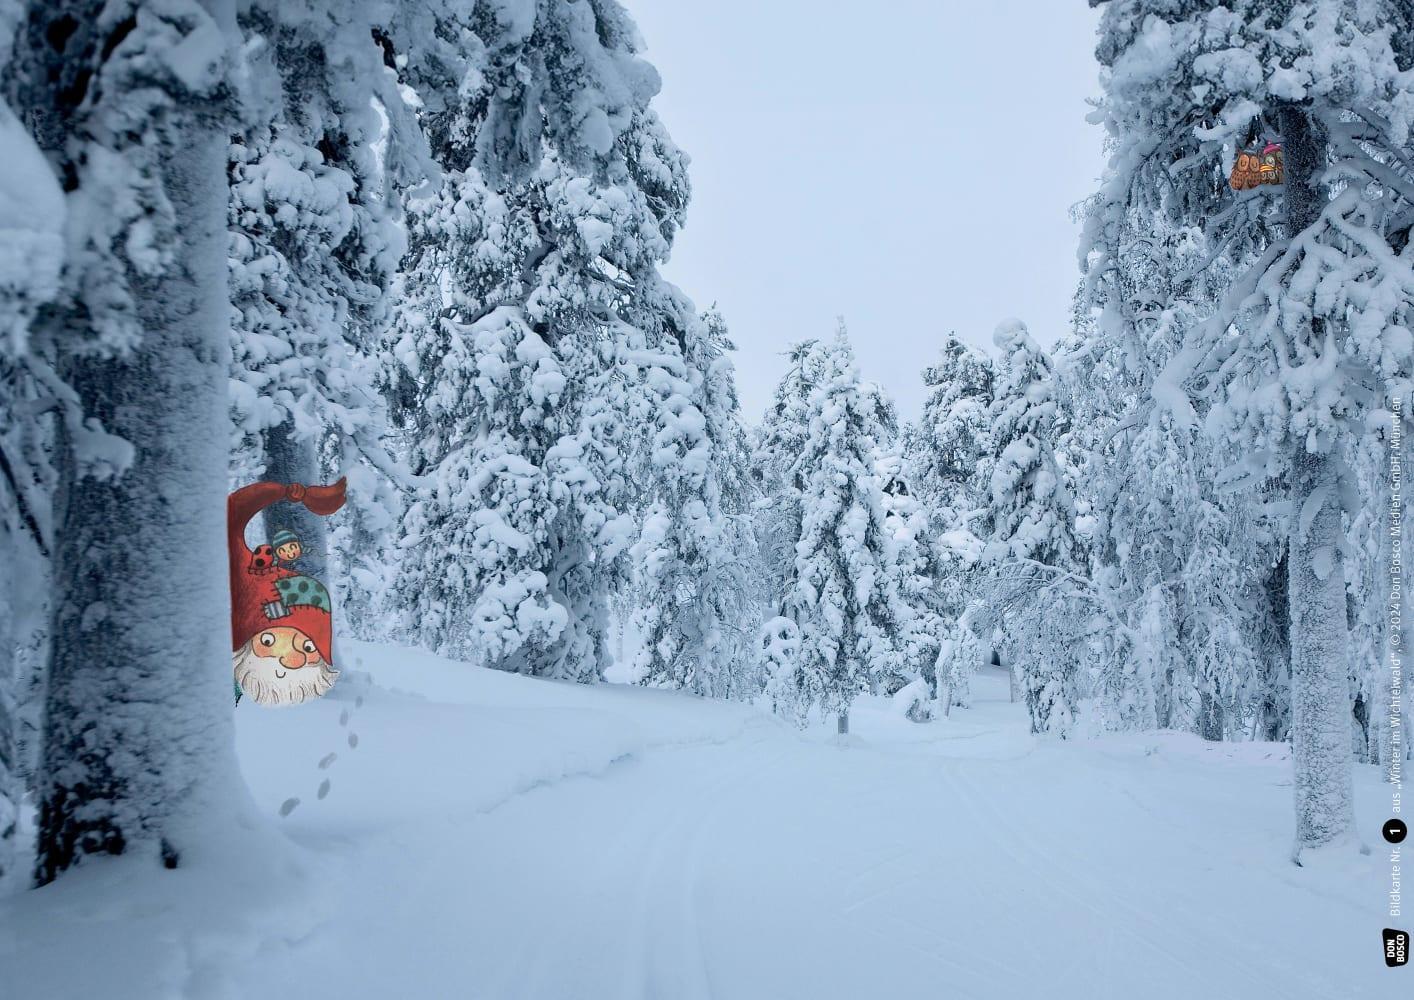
(297, 590)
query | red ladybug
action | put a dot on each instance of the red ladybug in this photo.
(261, 559)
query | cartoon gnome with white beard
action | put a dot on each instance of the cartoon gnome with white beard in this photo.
(281, 620)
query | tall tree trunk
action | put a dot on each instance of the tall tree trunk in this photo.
(1320, 662)
(290, 458)
(11, 790)
(138, 747)
(1320, 638)
(1211, 721)
(1276, 670)
(1163, 702)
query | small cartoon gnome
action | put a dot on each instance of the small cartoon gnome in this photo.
(281, 620)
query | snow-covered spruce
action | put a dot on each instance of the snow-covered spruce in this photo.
(948, 461)
(1183, 568)
(1031, 588)
(915, 569)
(695, 561)
(844, 596)
(779, 654)
(533, 310)
(953, 433)
(313, 251)
(777, 443)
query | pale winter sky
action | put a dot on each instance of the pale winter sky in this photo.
(908, 164)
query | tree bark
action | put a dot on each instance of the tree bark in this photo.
(11, 791)
(1211, 722)
(290, 458)
(138, 750)
(1320, 639)
(1320, 663)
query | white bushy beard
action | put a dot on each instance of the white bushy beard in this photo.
(257, 679)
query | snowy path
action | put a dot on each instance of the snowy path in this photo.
(768, 868)
(501, 838)
(953, 860)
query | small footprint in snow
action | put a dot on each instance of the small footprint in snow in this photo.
(327, 761)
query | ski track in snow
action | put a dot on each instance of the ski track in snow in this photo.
(500, 838)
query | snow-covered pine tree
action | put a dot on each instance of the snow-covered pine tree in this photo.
(915, 570)
(1314, 319)
(313, 251)
(132, 103)
(960, 654)
(779, 658)
(953, 430)
(1180, 563)
(737, 579)
(696, 555)
(779, 439)
(844, 596)
(949, 459)
(1035, 587)
(534, 308)
(1031, 510)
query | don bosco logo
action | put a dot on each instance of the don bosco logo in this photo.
(282, 632)
(1396, 947)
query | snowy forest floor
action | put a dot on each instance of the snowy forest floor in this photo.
(499, 837)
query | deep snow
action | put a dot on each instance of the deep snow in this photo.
(498, 837)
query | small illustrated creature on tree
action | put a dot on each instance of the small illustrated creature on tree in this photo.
(282, 637)
(1253, 168)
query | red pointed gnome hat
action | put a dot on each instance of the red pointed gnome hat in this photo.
(264, 595)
